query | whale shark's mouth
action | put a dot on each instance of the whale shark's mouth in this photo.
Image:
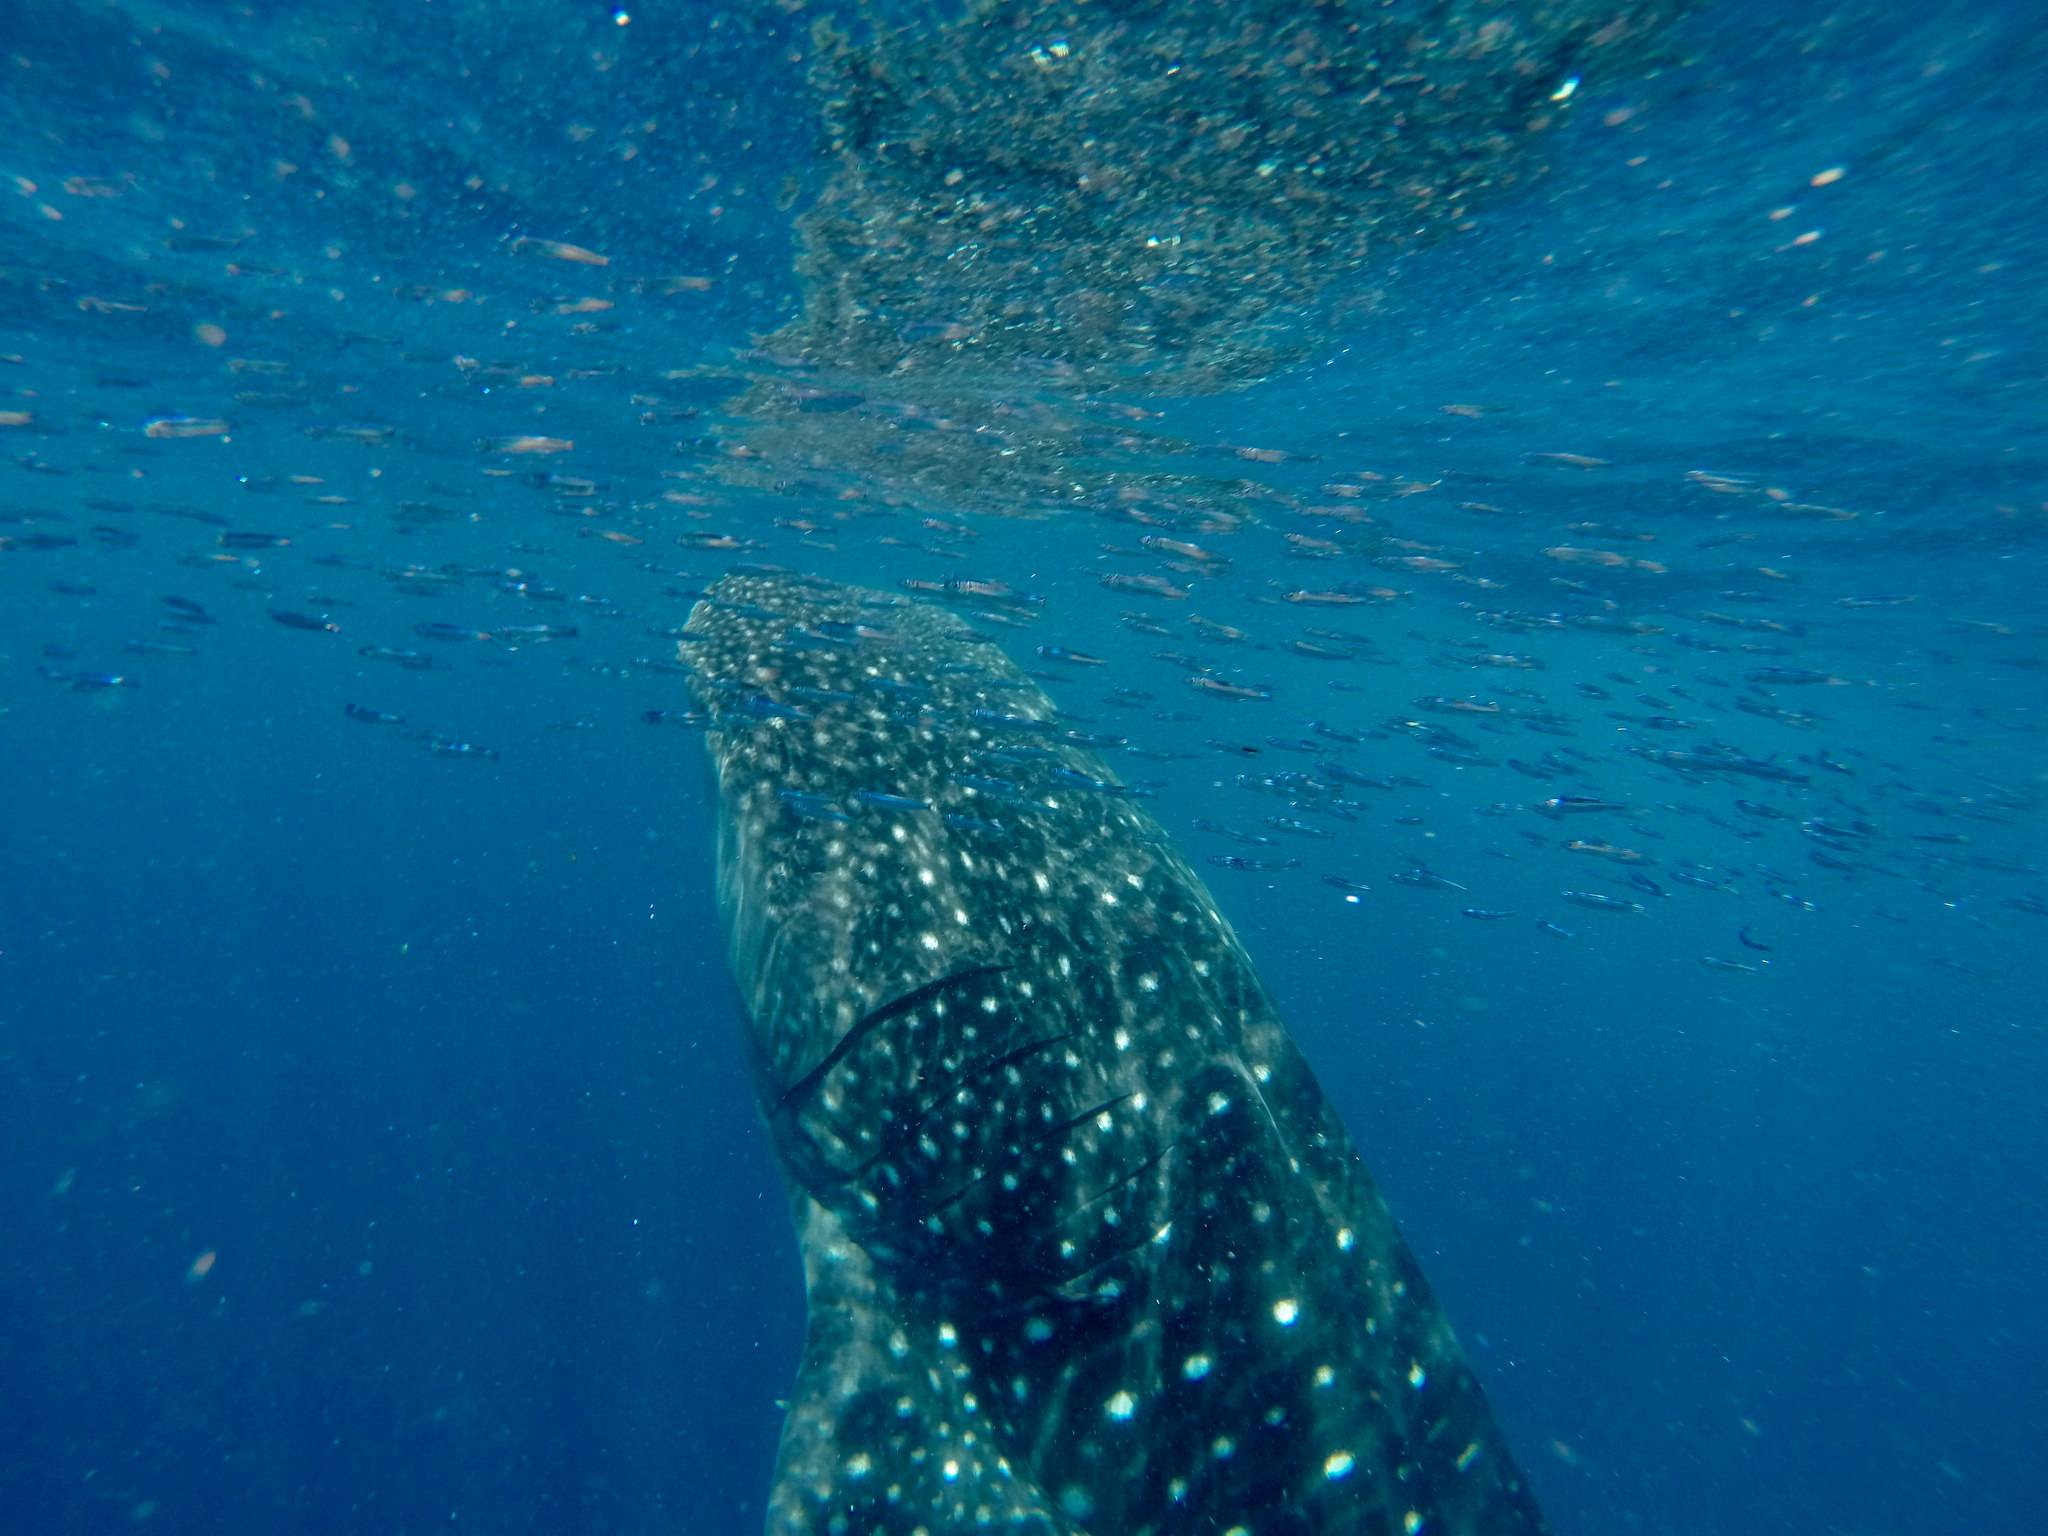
(1087, 1249)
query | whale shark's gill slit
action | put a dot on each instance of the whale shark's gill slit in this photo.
(1054, 1134)
(1069, 1286)
(1128, 1179)
(988, 1068)
(903, 1133)
(868, 1023)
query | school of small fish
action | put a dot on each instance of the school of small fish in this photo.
(1661, 685)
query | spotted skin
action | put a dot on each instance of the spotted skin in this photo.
(1087, 1250)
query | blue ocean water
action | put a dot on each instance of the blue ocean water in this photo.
(380, 1154)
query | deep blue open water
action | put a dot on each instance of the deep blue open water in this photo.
(376, 1149)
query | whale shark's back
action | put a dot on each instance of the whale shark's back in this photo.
(1087, 1250)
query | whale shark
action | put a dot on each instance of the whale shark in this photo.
(1087, 1251)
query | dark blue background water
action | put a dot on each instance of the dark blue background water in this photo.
(439, 1059)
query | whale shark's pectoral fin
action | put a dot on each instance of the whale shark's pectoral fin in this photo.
(890, 1429)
